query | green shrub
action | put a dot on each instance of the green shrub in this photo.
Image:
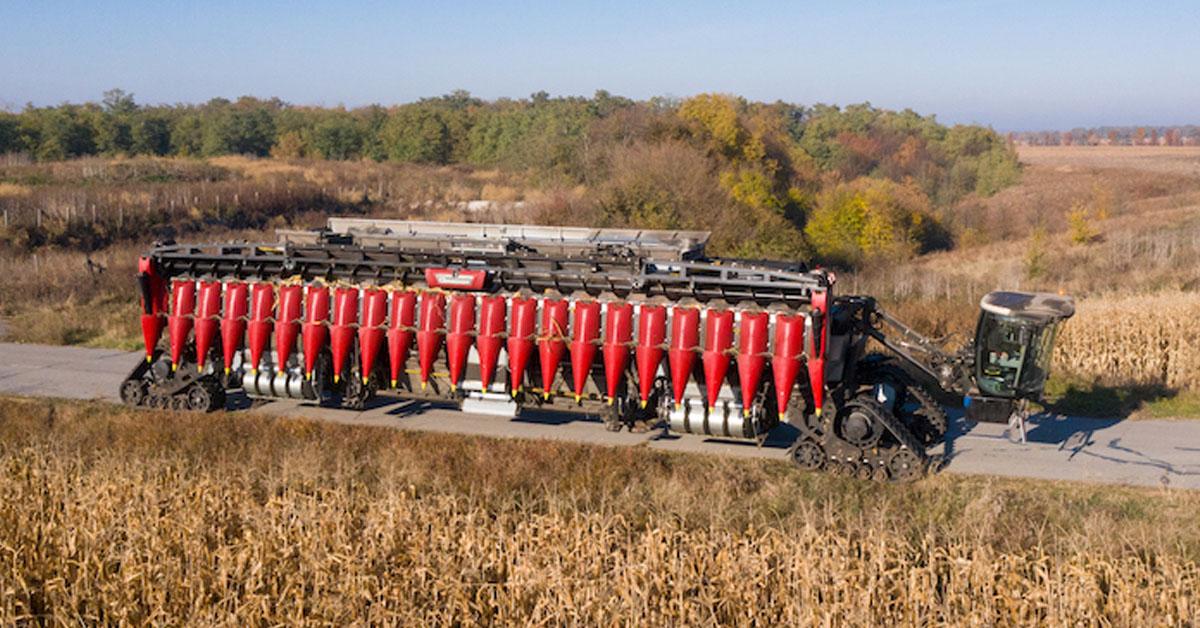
(872, 219)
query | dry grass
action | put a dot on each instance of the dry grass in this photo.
(111, 516)
(1152, 340)
(1109, 181)
(87, 204)
(59, 301)
(1184, 160)
(13, 190)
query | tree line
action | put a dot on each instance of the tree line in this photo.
(1185, 135)
(843, 183)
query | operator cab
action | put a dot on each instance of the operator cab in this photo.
(1014, 341)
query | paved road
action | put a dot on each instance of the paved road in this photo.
(1148, 453)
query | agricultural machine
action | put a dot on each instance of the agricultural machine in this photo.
(639, 327)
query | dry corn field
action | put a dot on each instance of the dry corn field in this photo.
(111, 516)
(1145, 340)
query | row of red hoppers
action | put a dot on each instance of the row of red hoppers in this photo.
(257, 309)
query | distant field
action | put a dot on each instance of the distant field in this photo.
(1184, 160)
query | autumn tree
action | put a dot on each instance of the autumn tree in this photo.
(873, 219)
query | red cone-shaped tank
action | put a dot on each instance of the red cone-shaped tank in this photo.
(208, 319)
(152, 328)
(460, 335)
(520, 340)
(287, 323)
(154, 304)
(816, 357)
(752, 355)
(551, 340)
(401, 325)
(618, 333)
(258, 332)
(429, 331)
(718, 338)
(183, 307)
(233, 321)
(685, 339)
(652, 333)
(371, 332)
(489, 340)
(341, 332)
(583, 345)
(314, 332)
(785, 363)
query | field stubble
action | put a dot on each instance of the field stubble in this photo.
(111, 516)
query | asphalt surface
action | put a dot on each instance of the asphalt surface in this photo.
(1144, 452)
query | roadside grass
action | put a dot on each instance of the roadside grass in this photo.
(109, 515)
(105, 320)
(1183, 405)
(1079, 397)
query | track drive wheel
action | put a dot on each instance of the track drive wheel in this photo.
(133, 392)
(205, 396)
(905, 466)
(807, 454)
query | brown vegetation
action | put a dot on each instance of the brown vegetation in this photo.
(1107, 181)
(113, 516)
(1150, 340)
(88, 204)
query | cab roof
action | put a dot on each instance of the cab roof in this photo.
(1037, 306)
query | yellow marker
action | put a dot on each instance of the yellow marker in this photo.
(199, 368)
(453, 387)
(545, 395)
(643, 404)
(336, 377)
(678, 406)
(393, 383)
(174, 366)
(227, 370)
(610, 401)
(783, 416)
(514, 394)
(308, 376)
(364, 380)
(746, 412)
(424, 385)
(818, 412)
(712, 409)
(148, 358)
(254, 371)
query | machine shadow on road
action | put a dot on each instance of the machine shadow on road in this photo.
(780, 437)
(1075, 439)
(552, 417)
(407, 407)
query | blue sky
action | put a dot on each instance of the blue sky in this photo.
(1012, 65)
